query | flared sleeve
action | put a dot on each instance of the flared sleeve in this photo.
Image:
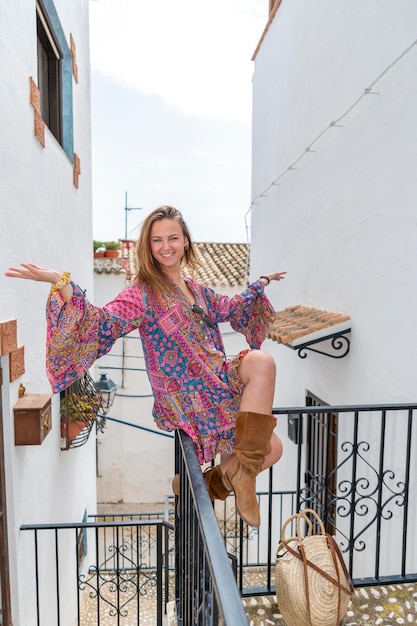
(249, 313)
(78, 332)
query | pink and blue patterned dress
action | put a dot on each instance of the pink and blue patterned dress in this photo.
(195, 386)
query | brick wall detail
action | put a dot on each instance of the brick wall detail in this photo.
(35, 101)
(77, 169)
(74, 58)
(8, 337)
(8, 345)
(17, 363)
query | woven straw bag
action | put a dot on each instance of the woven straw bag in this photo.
(313, 585)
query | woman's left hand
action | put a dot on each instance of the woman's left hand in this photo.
(274, 276)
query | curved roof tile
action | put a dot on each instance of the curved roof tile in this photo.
(222, 264)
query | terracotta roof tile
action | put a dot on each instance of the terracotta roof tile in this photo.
(300, 324)
(223, 264)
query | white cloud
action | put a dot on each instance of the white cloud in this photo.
(194, 54)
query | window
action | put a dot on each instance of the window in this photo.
(49, 75)
(54, 75)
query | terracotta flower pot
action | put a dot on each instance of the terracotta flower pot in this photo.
(98, 255)
(112, 253)
(74, 429)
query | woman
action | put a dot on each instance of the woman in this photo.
(223, 404)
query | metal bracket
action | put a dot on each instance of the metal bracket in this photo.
(340, 346)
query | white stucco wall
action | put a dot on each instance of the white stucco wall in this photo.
(343, 223)
(44, 219)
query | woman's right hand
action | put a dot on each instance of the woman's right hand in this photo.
(29, 271)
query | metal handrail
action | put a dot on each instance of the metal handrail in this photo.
(113, 569)
(201, 556)
(344, 408)
(161, 433)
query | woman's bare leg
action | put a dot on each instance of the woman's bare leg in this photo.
(257, 373)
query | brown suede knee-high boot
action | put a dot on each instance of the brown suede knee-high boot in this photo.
(253, 443)
(214, 483)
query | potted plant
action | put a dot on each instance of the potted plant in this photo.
(112, 249)
(98, 248)
(81, 412)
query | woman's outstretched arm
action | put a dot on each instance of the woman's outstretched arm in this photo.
(30, 271)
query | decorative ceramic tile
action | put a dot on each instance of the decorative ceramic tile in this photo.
(77, 169)
(17, 363)
(8, 337)
(74, 58)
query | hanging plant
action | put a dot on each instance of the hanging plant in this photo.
(80, 404)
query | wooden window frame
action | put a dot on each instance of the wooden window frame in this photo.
(49, 74)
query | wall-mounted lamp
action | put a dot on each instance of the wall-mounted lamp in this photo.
(108, 391)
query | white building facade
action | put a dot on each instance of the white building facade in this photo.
(46, 218)
(343, 222)
(334, 196)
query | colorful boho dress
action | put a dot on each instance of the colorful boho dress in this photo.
(195, 386)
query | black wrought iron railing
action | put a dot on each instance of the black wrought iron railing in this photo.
(206, 590)
(354, 466)
(97, 571)
(254, 548)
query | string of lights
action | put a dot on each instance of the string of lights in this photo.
(333, 124)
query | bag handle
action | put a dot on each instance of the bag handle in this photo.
(302, 515)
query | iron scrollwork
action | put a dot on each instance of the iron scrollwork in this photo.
(361, 497)
(127, 573)
(340, 345)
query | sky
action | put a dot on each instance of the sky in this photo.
(171, 113)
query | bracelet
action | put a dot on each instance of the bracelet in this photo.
(65, 279)
(266, 278)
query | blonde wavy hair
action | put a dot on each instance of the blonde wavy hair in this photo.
(148, 268)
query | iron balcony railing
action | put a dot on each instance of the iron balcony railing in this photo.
(253, 549)
(123, 568)
(352, 464)
(206, 589)
(95, 571)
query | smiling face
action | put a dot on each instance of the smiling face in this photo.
(167, 242)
